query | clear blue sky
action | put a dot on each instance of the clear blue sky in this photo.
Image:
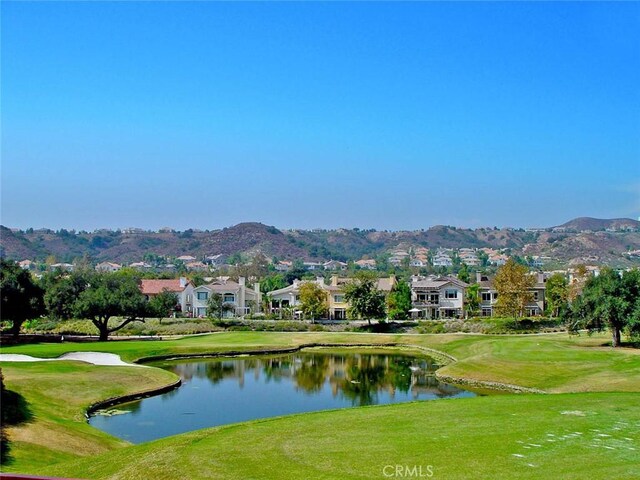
(383, 115)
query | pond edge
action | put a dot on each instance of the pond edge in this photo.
(438, 355)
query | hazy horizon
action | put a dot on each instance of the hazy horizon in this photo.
(426, 227)
(394, 116)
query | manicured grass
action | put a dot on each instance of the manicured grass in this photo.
(58, 394)
(550, 362)
(560, 436)
(457, 437)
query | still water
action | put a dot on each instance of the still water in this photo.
(220, 391)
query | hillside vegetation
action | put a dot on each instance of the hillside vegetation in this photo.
(570, 243)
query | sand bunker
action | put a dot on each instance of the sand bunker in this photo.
(95, 358)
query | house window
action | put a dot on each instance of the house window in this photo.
(450, 294)
(495, 295)
(486, 312)
(486, 297)
(297, 298)
(229, 298)
(338, 298)
(434, 298)
(202, 295)
(422, 297)
(535, 296)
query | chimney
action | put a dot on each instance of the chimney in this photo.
(256, 287)
(540, 277)
(478, 277)
(241, 281)
(334, 280)
(320, 281)
(183, 282)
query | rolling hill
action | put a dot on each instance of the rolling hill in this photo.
(582, 240)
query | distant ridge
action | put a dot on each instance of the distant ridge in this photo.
(581, 224)
(581, 240)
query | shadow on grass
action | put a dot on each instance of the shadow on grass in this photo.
(14, 411)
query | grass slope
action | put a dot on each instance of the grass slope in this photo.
(60, 392)
(560, 436)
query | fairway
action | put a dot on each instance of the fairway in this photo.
(564, 434)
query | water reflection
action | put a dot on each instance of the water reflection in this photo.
(228, 390)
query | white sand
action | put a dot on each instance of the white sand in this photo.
(95, 358)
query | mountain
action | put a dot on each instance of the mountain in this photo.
(582, 224)
(583, 240)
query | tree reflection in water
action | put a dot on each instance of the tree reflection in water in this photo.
(358, 377)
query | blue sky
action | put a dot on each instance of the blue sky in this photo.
(371, 115)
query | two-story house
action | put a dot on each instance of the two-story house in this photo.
(240, 299)
(437, 297)
(489, 295)
(289, 297)
(338, 305)
(182, 287)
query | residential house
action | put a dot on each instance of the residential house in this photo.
(489, 295)
(242, 299)
(283, 266)
(215, 260)
(437, 297)
(442, 259)
(338, 305)
(498, 259)
(67, 267)
(313, 266)
(186, 258)
(108, 267)
(196, 266)
(367, 264)
(182, 287)
(334, 265)
(141, 266)
(28, 265)
(289, 297)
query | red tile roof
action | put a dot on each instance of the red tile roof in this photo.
(153, 287)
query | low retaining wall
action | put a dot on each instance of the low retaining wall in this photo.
(110, 402)
(469, 382)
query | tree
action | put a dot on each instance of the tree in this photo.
(556, 294)
(61, 290)
(472, 299)
(272, 282)
(483, 257)
(216, 306)
(21, 297)
(313, 300)
(399, 301)
(365, 300)
(111, 295)
(513, 284)
(608, 301)
(163, 304)
(580, 277)
(463, 273)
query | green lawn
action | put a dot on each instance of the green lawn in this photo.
(466, 438)
(560, 436)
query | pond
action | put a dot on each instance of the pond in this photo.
(220, 391)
